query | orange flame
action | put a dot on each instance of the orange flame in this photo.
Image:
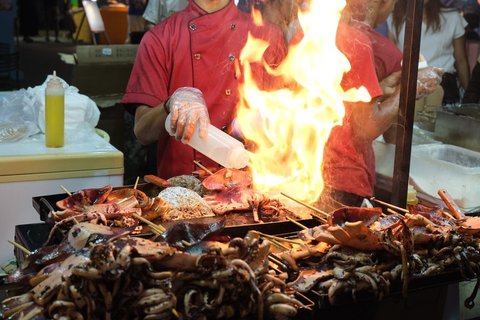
(290, 126)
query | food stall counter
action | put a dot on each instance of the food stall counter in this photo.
(29, 169)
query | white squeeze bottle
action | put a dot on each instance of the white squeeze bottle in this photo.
(218, 146)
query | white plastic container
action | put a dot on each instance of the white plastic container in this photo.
(443, 166)
(218, 146)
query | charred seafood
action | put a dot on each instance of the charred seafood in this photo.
(134, 278)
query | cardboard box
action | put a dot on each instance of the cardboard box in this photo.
(102, 71)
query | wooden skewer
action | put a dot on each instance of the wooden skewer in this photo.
(277, 261)
(323, 213)
(186, 243)
(297, 223)
(19, 246)
(175, 313)
(270, 237)
(203, 167)
(391, 211)
(278, 244)
(136, 183)
(389, 205)
(66, 190)
(158, 229)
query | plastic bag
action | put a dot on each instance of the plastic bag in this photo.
(18, 118)
(79, 108)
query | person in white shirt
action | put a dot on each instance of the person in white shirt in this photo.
(442, 43)
(157, 10)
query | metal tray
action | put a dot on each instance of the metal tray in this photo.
(46, 203)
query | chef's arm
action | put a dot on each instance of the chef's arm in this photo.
(372, 119)
(150, 124)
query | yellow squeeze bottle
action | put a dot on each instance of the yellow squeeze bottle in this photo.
(54, 113)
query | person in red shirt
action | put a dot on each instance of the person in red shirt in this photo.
(189, 65)
(349, 161)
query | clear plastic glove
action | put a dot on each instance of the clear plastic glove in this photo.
(428, 80)
(188, 110)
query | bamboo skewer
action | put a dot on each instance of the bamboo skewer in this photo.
(321, 212)
(66, 190)
(278, 244)
(19, 246)
(175, 313)
(389, 205)
(136, 183)
(277, 261)
(202, 166)
(270, 237)
(297, 223)
(392, 211)
(158, 229)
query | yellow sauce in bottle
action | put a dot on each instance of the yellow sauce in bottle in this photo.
(54, 113)
(411, 195)
(54, 121)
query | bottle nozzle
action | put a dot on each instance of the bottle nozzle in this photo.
(238, 158)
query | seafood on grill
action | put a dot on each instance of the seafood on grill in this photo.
(182, 203)
(86, 197)
(350, 226)
(117, 207)
(229, 190)
(47, 257)
(187, 181)
(104, 206)
(238, 199)
(130, 277)
(361, 252)
(226, 178)
(113, 214)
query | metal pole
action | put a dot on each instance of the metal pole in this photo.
(411, 50)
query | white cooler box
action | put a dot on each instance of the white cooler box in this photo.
(29, 169)
(449, 167)
(438, 166)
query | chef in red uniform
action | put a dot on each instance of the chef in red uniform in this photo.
(189, 65)
(349, 162)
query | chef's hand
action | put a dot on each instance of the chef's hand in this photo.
(188, 110)
(390, 84)
(428, 80)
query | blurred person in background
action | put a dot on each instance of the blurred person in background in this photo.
(472, 93)
(28, 13)
(442, 44)
(188, 64)
(158, 10)
(136, 23)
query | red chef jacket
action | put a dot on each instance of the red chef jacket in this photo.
(193, 48)
(388, 58)
(348, 165)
